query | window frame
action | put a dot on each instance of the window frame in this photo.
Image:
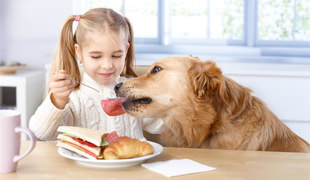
(250, 46)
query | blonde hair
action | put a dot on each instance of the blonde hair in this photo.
(98, 19)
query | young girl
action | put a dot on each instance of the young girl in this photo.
(103, 43)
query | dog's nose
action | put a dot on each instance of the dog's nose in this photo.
(117, 86)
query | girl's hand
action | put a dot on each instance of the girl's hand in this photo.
(61, 87)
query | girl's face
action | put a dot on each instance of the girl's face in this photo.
(103, 55)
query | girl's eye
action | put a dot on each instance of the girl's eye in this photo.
(156, 69)
(119, 56)
(96, 57)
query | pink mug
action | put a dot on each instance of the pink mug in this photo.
(10, 140)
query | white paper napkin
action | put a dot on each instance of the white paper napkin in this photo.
(177, 167)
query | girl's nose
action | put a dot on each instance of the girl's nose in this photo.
(106, 63)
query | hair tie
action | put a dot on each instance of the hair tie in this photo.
(77, 18)
(75, 24)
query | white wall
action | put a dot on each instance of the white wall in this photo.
(1, 27)
(30, 29)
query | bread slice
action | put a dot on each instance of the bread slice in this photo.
(71, 148)
(90, 135)
(95, 150)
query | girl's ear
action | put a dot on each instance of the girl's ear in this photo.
(78, 52)
(127, 47)
(205, 78)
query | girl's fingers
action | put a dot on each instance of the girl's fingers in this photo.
(62, 92)
(62, 83)
(61, 75)
(58, 77)
(62, 89)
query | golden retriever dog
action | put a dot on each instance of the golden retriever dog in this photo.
(203, 108)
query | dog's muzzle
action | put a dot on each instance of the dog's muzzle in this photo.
(144, 100)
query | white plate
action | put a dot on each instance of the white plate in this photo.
(110, 163)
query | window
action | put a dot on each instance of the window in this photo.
(283, 20)
(144, 20)
(290, 20)
(184, 26)
(207, 19)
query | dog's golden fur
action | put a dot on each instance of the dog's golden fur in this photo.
(201, 107)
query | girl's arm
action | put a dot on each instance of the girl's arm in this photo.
(49, 115)
(47, 119)
(61, 88)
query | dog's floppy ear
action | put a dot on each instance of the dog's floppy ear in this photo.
(205, 77)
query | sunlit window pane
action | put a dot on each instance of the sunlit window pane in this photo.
(302, 29)
(275, 19)
(143, 16)
(220, 19)
(116, 5)
(272, 21)
(188, 19)
(226, 19)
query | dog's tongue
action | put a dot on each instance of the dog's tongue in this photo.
(113, 107)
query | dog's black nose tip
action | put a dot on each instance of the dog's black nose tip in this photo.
(117, 86)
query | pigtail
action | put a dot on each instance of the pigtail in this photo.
(65, 56)
(130, 58)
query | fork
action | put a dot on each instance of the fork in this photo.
(84, 85)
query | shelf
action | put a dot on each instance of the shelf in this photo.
(4, 107)
(30, 85)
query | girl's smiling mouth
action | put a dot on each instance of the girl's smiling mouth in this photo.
(106, 75)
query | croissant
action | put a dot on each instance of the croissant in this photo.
(125, 147)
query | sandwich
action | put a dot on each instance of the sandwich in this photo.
(88, 143)
(96, 144)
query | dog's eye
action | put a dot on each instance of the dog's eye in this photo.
(156, 69)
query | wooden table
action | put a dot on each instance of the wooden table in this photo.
(45, 163)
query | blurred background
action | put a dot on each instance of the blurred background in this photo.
(225, 30)
(262, 44)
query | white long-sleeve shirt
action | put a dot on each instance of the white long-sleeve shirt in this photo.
(84, 110)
